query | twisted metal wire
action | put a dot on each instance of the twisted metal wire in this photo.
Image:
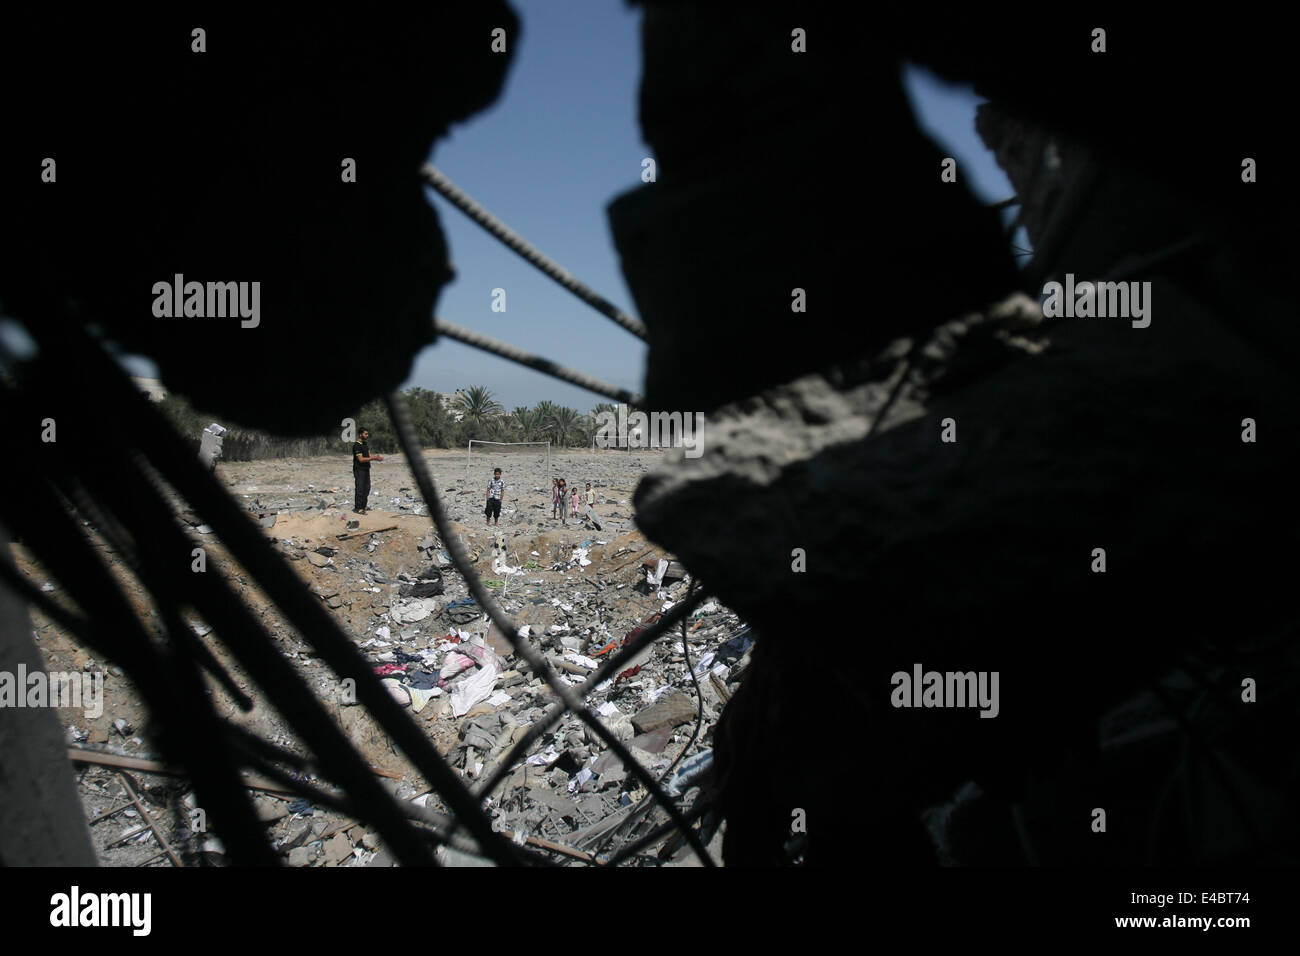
(554, 369)
(453, 194)
(69, 557)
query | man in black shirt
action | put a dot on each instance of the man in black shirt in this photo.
(361, 459)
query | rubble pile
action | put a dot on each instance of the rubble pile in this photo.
(438, 654)
(576, 595)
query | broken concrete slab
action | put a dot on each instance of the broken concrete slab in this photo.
(337, 849)
(655, 741)
(556, 800)
(298, 835)
(672, 709)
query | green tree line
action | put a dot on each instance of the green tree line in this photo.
(480, 416)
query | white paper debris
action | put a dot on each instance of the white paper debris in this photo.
(543, 759)
(704, 663)
(582, 777)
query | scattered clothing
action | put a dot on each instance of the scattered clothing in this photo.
(422, 590)
(422, 680)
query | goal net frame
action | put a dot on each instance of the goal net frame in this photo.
(469, 452)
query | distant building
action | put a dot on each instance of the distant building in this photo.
(450, 403)
(151, 387)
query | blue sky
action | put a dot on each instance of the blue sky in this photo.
(561, 142)
(546, 158)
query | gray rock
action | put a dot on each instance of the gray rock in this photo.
(299, 834)
(337, 849)
(670, 710)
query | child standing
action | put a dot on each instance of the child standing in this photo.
(562, 495)
(589, 513)
(555, 497)
(573, 501)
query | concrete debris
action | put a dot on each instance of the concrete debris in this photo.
(337, 849)
(577, 598)
(210, 445)
(670, 710)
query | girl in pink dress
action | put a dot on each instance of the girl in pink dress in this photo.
(573, 501)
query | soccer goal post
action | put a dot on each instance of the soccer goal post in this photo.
(516, 455)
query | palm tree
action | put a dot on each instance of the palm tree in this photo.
(565, 423)
(526, 422)
(478, 405)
